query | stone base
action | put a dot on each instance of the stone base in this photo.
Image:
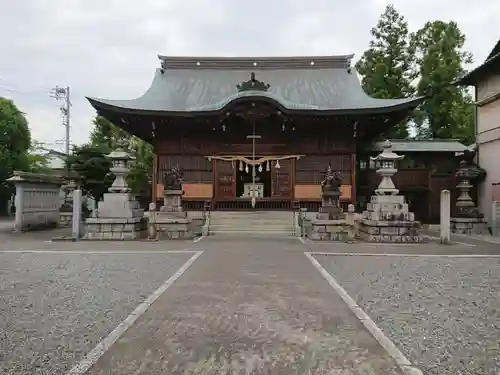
(172, 228)
(469, 226)
(65, 219)
(329, 230)
(97, 228)
(119, 205)
(389, 231)
(330, 213)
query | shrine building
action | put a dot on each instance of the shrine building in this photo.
(222, 119)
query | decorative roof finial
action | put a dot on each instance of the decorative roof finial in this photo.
(253, 84)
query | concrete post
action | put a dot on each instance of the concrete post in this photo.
(445, 225)
(350, 217)
(76, 227)
(152, 221)
(495, 207)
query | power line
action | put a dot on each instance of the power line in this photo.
(63, 93)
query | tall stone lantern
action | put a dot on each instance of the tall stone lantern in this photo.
(387, 218)
(118, 215)
(387, 160)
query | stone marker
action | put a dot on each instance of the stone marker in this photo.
(76, 227)
(445, 224)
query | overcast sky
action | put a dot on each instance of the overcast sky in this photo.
(108, 48)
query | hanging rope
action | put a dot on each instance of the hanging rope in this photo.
(247, 161)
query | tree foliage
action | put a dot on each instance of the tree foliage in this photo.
(105, 137)
(15, 140)
(38, 158)
(92, 168)
(448, 111)
(387, 67)
(105, 134)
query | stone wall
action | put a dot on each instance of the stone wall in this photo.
(37, 200)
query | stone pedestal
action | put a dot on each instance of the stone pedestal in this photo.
(118, 216)
(330, 223)
(467, 220)
(469, 225)
(387, 220)
(171, 222)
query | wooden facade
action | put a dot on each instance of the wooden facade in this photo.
(302, 154)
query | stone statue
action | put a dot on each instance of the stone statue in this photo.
(172, 179)
(332, 182)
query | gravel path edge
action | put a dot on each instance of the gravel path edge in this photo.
(391, 349)
(91, 358)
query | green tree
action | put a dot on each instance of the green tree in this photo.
(105, 134)
(448, 111)
(15, 139)
(92, 168)
(38, 158)
(141, 168)
(387, 67)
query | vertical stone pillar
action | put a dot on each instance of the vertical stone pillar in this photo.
(445, 224)
(495, 209)
(76, 227)
(152, 221)
(350, 218)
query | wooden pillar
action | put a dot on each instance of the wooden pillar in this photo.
(353, 178)
(154, 179)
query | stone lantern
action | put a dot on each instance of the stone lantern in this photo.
(387, 161)
(118, 216)
(387, 218)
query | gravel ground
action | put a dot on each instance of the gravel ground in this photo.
(54, 308)
(443, 313)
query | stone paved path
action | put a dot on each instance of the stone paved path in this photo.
(248, 308)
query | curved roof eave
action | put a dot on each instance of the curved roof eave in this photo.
(127, 107)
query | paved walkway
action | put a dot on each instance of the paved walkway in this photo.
(248, 308)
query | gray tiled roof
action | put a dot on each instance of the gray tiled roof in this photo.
(438, 145)
(209, 84)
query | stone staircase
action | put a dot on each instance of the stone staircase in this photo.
(252, 223)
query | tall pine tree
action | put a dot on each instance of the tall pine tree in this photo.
(448, 112)
(387, 67)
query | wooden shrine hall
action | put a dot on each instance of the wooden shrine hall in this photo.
(267, 126)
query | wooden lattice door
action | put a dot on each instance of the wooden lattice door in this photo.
(282, 179)
(225, 181)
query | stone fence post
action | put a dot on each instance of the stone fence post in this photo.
(76, 227)
(350, 218)
(37, 200)
(445, 217)
(495, 218)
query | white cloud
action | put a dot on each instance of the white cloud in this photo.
(108, 48)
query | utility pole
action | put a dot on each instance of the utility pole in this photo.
(64, 93)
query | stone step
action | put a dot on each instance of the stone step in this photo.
(251, 221)
(250, 233)
(252, 227)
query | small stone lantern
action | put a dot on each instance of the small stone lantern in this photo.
(387, 161)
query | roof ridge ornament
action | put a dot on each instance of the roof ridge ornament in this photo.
(253, 84)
